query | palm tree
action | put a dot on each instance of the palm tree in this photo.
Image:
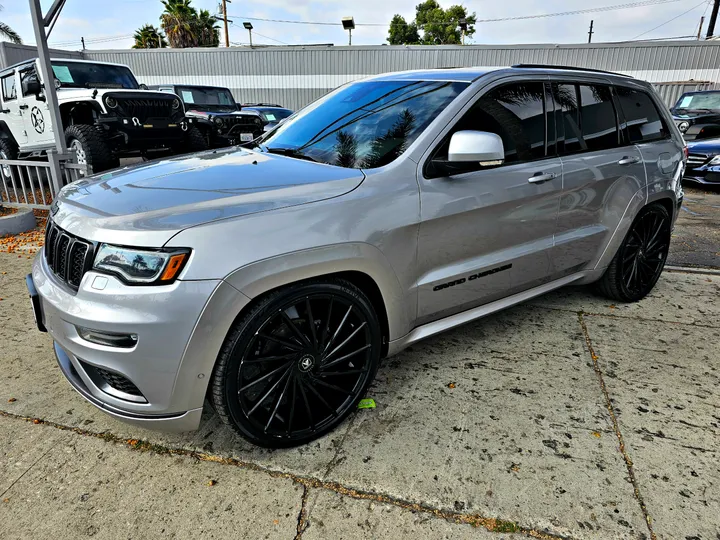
(149, 37)
(208, 33)
(179, 22)
(392, 143)
(346, 149)
(9, 33)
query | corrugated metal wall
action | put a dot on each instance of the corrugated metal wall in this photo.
(295, 76)
(12, 54)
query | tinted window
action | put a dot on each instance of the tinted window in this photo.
(365, 124)
(28, 74)
(701, 100)
(205, 96)
(89, 75)
(598, 121)
(587, 117)
(516, 113)
(8, 87)
(642, 119)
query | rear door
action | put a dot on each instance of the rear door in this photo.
(10, 111)
(487, 230)
(601, 172)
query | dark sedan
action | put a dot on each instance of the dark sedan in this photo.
(703, 164)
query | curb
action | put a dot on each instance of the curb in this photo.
(21, 221)
(693, 270)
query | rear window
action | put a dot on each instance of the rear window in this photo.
(642, 119)
(588, 118)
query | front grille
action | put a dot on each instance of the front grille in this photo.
(67, 256)
(243, 124)
(145, 108)
(118, 382)
(696, 160)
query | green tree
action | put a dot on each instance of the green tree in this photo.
(149, 37)
(387, 147)
(9, 33)
(179, 20)
(402, 33)
(208, 33)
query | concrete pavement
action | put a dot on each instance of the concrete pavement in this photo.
(568, 417)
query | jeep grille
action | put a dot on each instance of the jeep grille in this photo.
(67, 256)
(145, 108)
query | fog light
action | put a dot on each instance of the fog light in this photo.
(109, 339)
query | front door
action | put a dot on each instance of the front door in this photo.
(10, 111)
(487, 232)
(36, 113)
(601, 172)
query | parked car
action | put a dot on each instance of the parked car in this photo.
(697, 114)
(213, 111)
(105, 113)
(703, 164)
(271, 114)
(273, 279)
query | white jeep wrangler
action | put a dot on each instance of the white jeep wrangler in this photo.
(105, 113)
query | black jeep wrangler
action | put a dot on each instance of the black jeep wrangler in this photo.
(697, 115)
(215, 113)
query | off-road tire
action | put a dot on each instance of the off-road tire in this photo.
(193, 141)
(613, 283)
(225, 390)
(8, 150)
(98, 155)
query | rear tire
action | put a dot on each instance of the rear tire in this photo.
(639, 261)
(8, 150)
(296, 365)
(90, 148)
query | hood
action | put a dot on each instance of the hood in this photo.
(193, 111)
(695, 115)
(69, 94)
(210, 109)
(704, 146)
(149, 203)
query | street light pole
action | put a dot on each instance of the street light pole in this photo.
(249, 27)
(47, 73)
(348, 24)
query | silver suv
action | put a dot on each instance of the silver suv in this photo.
(271, 280)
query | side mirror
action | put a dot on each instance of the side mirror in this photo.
(143, 86)
(476, 146)
(31, 86)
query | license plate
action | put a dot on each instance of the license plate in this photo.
(246, 137)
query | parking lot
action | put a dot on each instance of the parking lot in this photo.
(566, 417)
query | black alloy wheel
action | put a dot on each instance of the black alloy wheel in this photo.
(637, 266)
(298, 363)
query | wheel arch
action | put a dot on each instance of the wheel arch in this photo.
(79, 112)
(6, 133)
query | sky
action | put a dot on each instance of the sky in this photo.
(109, 24)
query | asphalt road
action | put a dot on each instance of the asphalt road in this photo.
(696, 238)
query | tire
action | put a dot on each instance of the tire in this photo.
(280, 381)
(8, 150)
(639, 261)
(90, 147)
(193, 141)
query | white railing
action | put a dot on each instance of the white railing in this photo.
(32, 184)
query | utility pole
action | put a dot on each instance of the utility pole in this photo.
(702, 20)
(590, 33)
(82, 40)
(224, 10)
(713, 19)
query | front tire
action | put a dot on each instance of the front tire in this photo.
(193, 141)
(296, 365)
(8, 150)
(640, 260)
(90, 148)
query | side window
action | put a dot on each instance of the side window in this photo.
(27, 75)
(8, 87)
(515, 112)
(598, 120)
(588, 118)
(642, 119)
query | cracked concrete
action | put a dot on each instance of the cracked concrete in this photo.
(523, 442)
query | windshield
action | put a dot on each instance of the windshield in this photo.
(274, 115)
(88, 75)
(220, 97)
(706, 100)
(364, 124)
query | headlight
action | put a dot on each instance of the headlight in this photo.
(715, 160)
(683, 126)
(141, 266)
(218, 121)
(111, 102)
(176, 104)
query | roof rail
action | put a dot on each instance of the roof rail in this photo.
(571, 68)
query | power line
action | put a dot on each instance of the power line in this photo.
(671, 20)
(630, 5)
(272, 39)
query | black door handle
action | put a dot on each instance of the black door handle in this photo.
(23, 107)
(4, 111)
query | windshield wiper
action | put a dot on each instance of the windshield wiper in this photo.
(290, 152)
(693, 109)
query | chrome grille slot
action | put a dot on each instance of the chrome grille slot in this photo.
(67, 256)
(696, 160)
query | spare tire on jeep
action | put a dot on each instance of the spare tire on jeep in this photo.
(90, 148)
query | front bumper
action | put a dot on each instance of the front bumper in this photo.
(709, 176)
(180, 329)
